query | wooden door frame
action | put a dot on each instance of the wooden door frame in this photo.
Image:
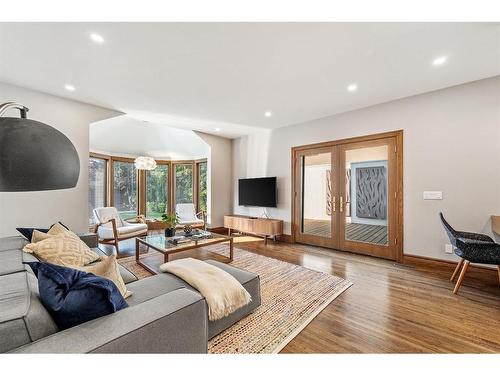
(398, 135)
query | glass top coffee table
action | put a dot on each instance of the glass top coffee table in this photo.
(164, 245)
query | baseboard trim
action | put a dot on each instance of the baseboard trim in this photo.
(419, 259)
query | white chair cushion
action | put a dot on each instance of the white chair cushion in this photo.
(185, 212)
(103, 214)
(128, 230)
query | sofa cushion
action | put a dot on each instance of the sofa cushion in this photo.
(12, 243)
(11, 261)
(23, 318)
(73, 297)
(154, 286)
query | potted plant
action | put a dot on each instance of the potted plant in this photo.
(171, 221)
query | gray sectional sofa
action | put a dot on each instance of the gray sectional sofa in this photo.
(165, 315)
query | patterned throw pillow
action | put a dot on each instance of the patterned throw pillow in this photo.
(65, 249)
(28, 232)
(108, 268)
(54, 230)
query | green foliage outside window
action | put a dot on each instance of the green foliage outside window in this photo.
(157, 192)
(125, 189)
(183, 183)
(202, 197)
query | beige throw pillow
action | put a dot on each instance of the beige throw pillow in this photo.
(56, 229)
(108, 268)
(65, 249)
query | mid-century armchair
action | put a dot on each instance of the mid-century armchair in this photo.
(111, 228)
(187, 215)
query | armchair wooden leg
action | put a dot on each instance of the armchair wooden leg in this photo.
(117, 249)
(461, 277)
(459, 265)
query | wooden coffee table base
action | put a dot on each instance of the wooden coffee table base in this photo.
(167, 253)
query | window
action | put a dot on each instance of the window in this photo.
(157, 191)
(202, 186)
(184, 183)
(125, 189)
(97, 185)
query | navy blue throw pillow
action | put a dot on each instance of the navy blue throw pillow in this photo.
(28, 232)
(73, 297)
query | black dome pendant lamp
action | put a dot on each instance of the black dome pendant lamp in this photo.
(34, 156)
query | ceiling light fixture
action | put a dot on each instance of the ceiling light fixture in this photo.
(439, 60)
(69, 87)
(352, 87)
(145, 163)
(97, 38)
(217, 129)
(268, 113)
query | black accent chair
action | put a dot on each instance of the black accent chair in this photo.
(471, 248)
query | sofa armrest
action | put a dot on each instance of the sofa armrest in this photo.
(174, 322)
(90, 239)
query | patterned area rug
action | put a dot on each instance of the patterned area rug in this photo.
(291, 297)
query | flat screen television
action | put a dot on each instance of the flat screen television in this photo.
(259, 192)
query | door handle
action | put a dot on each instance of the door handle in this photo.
(341, 206)
(333, 204)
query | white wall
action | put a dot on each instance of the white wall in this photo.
(219, 178)
(451, 143)
(40, 209)
(315, 192)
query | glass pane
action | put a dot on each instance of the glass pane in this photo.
(202, 187)
(97, 186)
(316, 195)
(366, 195)
(184, 183)
(125, 189)
(157, 192)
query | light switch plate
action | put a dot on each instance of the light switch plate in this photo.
(448, 248)
(433, 195)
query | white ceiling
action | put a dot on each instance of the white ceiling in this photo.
(125, 136)
(205, 76)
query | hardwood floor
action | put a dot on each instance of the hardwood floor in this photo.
(394, 308)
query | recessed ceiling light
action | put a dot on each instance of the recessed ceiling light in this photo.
(352, 87)
(439, 60)
(268, 113)
(69, 87)
(97, 38)
(217, 129)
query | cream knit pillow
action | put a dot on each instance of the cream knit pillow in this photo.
(64, 249)
(108, 267)
(56, 229)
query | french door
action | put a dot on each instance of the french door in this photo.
(347, 195)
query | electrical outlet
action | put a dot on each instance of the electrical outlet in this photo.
(448, 248)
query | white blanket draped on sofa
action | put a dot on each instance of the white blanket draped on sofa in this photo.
(223, 293)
